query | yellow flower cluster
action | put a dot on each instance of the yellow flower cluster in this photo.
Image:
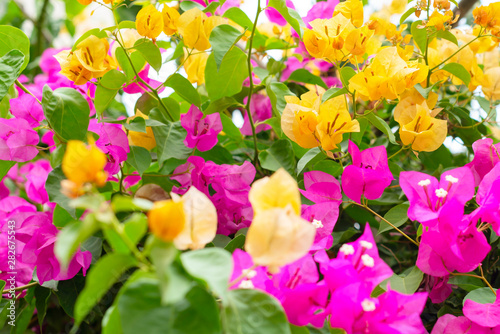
(150, 22)
(310, 123)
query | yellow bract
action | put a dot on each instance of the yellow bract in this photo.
(72, 69)
(351, 9)
(277, 191)
(406, 109)
(167, 219)
(491, 83)
(195, 67)
(424, 132)
(439, 20)
(488, 17)
(82, 164)
(136, 138)
(149, 22)
(387, 76)
(170, 18)
(200, 220)
(195, 28)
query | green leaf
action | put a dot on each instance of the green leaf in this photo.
(41, 299)
(5, 166)
(466, 282)
(138, 124)
(139, 158)
(459, 71)
(382, 125)
(10, 68)
(67, 112)
(121, 203)
(237, 243)
(397, 215)
(333, 92)
(346, 74)
(220, 105)
(279, 155)
(406, 15)
(137, 59)
(106, 91)
(419, 35)
(61, 216)
(12, 38)
(184, 88)
(100, 279)
(71, 236)
(277, 92)
(96, 32)
(53, 186)
(212, 265)
(311, 155)
(289, 14)
(170, 142)
(222, 38)
(211, 8)
(238, 16)
(243, 306)
(187, 5)
(228, 80)
(406, 284)
(68, 291)
(303, 75)
(446, 34)
(230, 130)
(481, 296)
(111, 321)
(150, 52)
(126, 25)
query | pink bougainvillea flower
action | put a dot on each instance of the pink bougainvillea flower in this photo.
(261, 110)
(450, 324)
(48, 139)
(39, 251)
(320, 10)
(354, 310)
(201, 131)
(357, 261)
(486, 156)
(36, 174)
(138, 87)
(368, 175)
(274, 16)
(488, 197)
(27, 108)
(438, 288)
(17, 140)
(427, 196)
(254, 278)
(454, 244)
(487, 315)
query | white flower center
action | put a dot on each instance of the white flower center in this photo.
(367, 260)
(347, 249)
(441, 193)
(317, 223)
(246, 284)
(368, 305)
(366, 244)
(424, 183)
(249, 273)
(451, 179)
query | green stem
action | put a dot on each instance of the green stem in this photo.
(399, 151)
(249, 62)
(133, 248)
(453, 54)
(21, 288)
(20, 85)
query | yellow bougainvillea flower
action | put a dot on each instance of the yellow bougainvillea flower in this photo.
(195, 28)
(136, 138)
(440, 21)
(149, 22)
(491, 83)
(387, 76)
(327, 37)
(195, 67)
(167, 219)
(82, 164)
(334, 120)
(72, 69)
(442, 4)
(200, 220)
(85, 2)
(424, 132)
(278, 237)
(170, 18)
(397, 7)
(406, 109)
(351, 9)
(488, 16)
(278, 191)
(357, 40)
(92, 53)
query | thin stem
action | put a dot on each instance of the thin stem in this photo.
(24, 89)
(39, 27)
(399, 151)
(21, 288)
(133, 248)
(244, 273)
(365, 206)
(250, 92)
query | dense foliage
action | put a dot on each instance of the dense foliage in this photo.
(332, 173)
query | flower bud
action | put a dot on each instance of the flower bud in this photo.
(170, 17)
(149, 22)
(167, 219)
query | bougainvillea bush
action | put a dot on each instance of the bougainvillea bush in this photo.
(198, 167)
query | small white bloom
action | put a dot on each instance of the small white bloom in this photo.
(317, 223)
(249, 273)
(246, 284)
(367, 260)
(347, 249)
(441, 193)
(424, 183)
(451, 179)
(366, 244)
(368, 305)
